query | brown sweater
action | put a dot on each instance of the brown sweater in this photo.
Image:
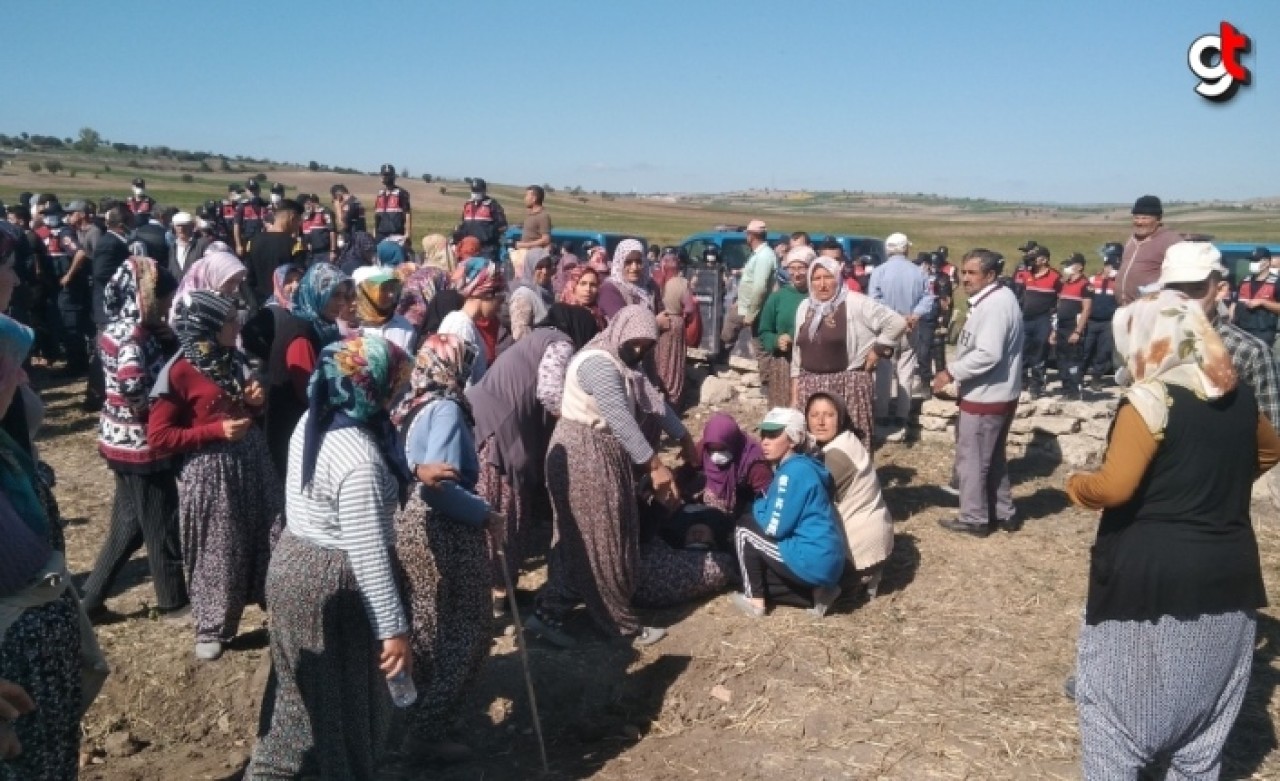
(1141, 263)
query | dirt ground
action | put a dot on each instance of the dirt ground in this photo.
(954, 671)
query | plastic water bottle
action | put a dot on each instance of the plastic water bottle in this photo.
(403, 692)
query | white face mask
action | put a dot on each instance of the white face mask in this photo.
(52, 221)
(201, 223)
(1112, 271)
(138, 191)
(720, 458)
(1255, 267)
(477, 196)
(276, 198)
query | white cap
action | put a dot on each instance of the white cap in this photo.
(756, 226)
(896, 241)
(801, 254)
(182, 218)
(787, 420)
(1190, 261)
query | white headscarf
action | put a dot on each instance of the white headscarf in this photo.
(822, 309)
(635, 293)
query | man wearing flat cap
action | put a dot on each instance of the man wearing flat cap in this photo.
(1144, 251)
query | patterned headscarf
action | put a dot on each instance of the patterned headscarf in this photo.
(568, 262)
(634, 293)
(440, 371)
(480, 278)
(279, 278)
(567, 295)
(668, 269)
(353, 381)
(599, 260)
(312, 296)
(200, 316)
(436, 252)
(629, 324)
(130, 298)
(468, 248)
(1165, 339)
(420, 288)
(17, 469)
(369, 290)
(820, 310)
(210, 272)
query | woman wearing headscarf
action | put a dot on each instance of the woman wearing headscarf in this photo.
(865, 519)
(284, 280)
(596, 446)
(515, 406)
(482, 287)
(440, 541)
(568, 262)
(288, 342)
(391, 253)
(134, 347)
(339, 629)
(377, 299)
(229, 494)
(582, 288)
(46, 645)
(680, 308)
(220, 272)
(528, 303)
(629, 283)
(425, 280)
(790, 548)
(360, 251)
(778, 325)
(598, 259)
(840, 335)
(1166, 646)
(733, 466)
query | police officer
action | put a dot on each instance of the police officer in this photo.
(1097, 359)
(1257, 309)
(946, 267)
(1040, 285)
(227, 212)
(140, 202)
(70, 266)
(317, 231)
(484, 219)
(391, 211)
(1075, 300)
(250, 217)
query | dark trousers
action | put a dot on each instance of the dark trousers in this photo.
(95, 388)
(982, 468)
(1096, 358)
(76, 325)
(1035, 350)
(764, 573)
(1069, 358)
(145, 511)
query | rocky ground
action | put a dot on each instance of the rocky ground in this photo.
(954, 671)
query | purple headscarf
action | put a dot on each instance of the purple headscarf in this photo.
(722, 433)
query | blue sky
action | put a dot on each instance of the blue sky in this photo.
(1069, 101)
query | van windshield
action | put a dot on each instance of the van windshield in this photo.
(734, 253)
(611, 243)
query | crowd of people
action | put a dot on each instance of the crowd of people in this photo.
(358, 437)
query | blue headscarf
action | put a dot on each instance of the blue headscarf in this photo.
(390, 253)
(312, 297)
(353, 381)
(17, 468)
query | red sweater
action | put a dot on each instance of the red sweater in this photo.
(190, 415)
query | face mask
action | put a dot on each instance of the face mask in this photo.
(1255, 267)
(477, 196)
(137, 191)
(276, 198)
(1112, 271)
(720, 458)
(631, 356)
(52, 221)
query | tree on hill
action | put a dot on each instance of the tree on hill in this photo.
(89, 140)
(404, 172)
(313, 166)
(426, 178)
(52, 166)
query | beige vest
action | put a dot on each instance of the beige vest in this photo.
(580, 406)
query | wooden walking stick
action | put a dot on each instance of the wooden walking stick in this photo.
(524, 657)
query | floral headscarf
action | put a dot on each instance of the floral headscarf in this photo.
(436, 252)
(1165, 339)
(599, 260)
(210, 272)
(629, 324)
(353, 381)
(440, 371)
(468, 248)
(200, 316)
(312, 296)
(568, 262)
(370, 285)
(279, 278)
(568, 296)
(481, 277)
(130, 298)
(633, 293)
(820, 310)
(668, 269)
(420, 288)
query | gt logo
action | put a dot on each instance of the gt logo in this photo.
(1215, 59)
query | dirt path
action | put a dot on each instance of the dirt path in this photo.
(954, 672)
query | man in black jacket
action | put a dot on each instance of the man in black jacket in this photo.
(484, 219)
(151, 233)
(108, 256)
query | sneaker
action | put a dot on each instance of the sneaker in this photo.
(823, 599)
(555, 636)
(957, 525)
(746, 606)
(209, 651)
(648, 636)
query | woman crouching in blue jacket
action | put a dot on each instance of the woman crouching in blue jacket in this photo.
(790, 549)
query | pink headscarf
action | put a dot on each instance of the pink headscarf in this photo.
(210, 272)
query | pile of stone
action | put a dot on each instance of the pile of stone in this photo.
(1073, 433)
(739, 381)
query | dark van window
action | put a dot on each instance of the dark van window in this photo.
(734, 253)
(611, 243)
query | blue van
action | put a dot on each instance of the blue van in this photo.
(1236, 257)
(734, 250)
(572, 240)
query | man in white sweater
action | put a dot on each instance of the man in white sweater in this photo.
(987, 372)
